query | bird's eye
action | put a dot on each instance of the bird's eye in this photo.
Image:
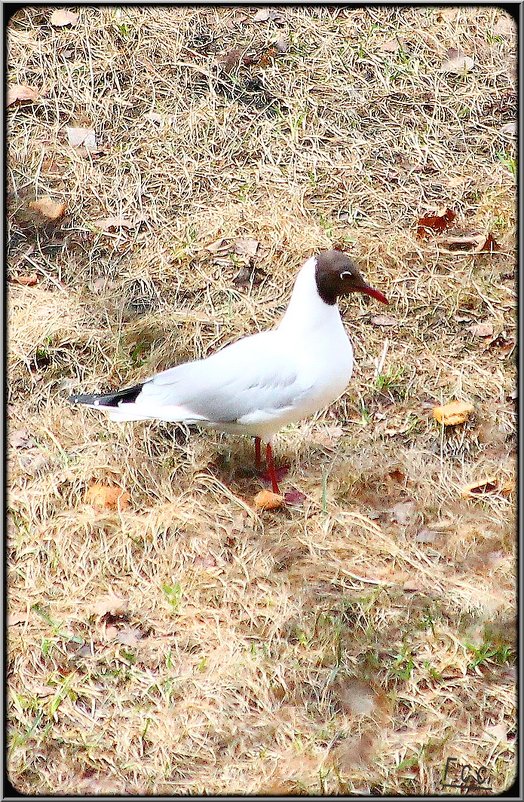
(345, 274)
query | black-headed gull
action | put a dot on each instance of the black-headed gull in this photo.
(257, 385)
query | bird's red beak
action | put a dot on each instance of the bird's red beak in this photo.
(374, 293)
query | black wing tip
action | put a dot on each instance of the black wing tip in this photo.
(81, 399)
(129, 395)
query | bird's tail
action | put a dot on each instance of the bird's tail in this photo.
(122, 405)
(112, 402)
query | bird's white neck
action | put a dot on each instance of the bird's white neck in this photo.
(307, 311)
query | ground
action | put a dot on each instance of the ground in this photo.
(187, 641)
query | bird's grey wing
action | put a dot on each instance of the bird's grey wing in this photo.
(248, 377)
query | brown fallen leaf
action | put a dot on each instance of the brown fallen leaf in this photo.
(27, 281)
(109, 604)
(490, 245)
(271, 14)
(20, 92)
(129, 636)
(47, 209)
(457, 62)
(453, 413)
(61, 17)
(426, 535)
(508, 487)
(505, 25)
(15, 619)
(219, 245)
(246, 246)
(435, 222)
(85, 137)
(404, 512)
(112, 223)
(282, 44)
(481, 487)
(392, 45)
(468, 243)
(21, 439)
(481, 329)
(383, 320)
(327, 436)
(266, 500)
(107, 497)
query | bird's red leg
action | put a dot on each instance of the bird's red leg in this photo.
(258, 461)
(271, 469)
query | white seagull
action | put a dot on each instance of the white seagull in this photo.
(260, 383)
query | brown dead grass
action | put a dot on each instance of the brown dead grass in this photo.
(327, 649)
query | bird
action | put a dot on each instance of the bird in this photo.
(262, 382)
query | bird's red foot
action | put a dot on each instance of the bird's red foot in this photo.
(280, 473)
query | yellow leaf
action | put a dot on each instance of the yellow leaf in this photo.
(48, 209)
(453, 413)
(266, 500)
(107, 497)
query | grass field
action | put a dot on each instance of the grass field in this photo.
(185, 641)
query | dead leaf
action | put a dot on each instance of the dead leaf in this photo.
(397, 475)
(453, 413)
(104, 497)
(110, 604)
(249, 276)
(481, 487)
(20, 92)
(218, 246)
(505, 26)
(49, 210)
(509, 128)
(508, 487)
(435, 222)
(383, 320)
(468, 243)
(27, 281)
(499, 732)
(266, 500)
(85, 137)
(353, 752)
(205, 561)
(265, 14)
(61, 17)
(425, 535)
(282, 44)
(412, 586)
(490, 245)
(112, 223)
(294, 498)
(403, 512)
(392, 46)
(129, 636)
(246, 246)
(21, 439)
(327, 436)
(355, 696)
(481, 329)
(457, 62)
(14, 619)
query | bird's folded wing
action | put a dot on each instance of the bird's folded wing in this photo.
(252, 376)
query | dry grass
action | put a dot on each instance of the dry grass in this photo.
(327, 649)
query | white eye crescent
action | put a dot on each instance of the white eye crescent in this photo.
(345, 274)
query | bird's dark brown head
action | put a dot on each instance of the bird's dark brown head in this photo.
(337, 275)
